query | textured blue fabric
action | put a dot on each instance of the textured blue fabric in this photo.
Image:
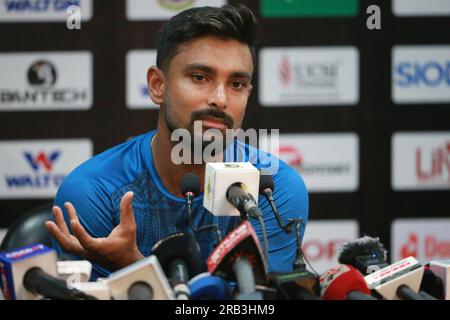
(96, 187)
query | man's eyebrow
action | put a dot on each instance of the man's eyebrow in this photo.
(209, 70)
(198, 66)
(241, 74)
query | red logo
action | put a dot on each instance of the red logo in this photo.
(433, 248)
(439, 164)
(411, 247)
(42, 159)
(316, 249)
(285, 71)
(291, 155)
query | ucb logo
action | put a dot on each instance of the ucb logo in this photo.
(430, 74)
(42, 159)
(42, 73)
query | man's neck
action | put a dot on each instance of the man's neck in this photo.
(169, 173)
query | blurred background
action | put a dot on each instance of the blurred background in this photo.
(360, 91)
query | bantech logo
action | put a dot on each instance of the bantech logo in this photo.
(61, 81)
(42, 10)
(42, 73)
(421, 74)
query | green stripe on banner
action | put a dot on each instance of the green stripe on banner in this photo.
(308, 8)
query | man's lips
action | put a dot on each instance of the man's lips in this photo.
(215, 123)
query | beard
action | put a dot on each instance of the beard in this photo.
(197, 136)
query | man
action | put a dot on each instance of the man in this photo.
(121, 202)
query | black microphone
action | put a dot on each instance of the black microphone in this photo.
(266, 187)
(296, 285)
(432, 284)
(246, 204)
(38, 281)
(179, 256)
(243, 201)
(190, 188)
(366, 254)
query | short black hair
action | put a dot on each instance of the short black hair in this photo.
(227, 22)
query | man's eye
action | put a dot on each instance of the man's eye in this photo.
(238, 84)
(198, 77)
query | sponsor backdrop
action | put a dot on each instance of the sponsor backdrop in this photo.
(364, 115)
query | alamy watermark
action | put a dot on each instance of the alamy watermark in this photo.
(73, 21)
(234, 145)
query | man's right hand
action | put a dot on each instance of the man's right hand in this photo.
(116, 251)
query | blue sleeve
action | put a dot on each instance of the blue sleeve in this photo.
(93, 207)
(291, 200)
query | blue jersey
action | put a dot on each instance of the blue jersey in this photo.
(96, 187)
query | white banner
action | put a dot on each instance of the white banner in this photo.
(164, 9)
(421, 74)
(46, 81)
(420, 160)
(309, 76)
(138, 62)
(36, 168)
(323, 238)
(424, 239)
(411, 8)
(326, 162)
(42, 10)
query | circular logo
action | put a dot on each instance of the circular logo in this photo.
(175, 4)
(42, 73)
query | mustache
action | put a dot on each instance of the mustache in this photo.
(213, 113)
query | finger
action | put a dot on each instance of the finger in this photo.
(59, 220)
(59, 235)
(80, 233)
(71, 211)
(126, 211)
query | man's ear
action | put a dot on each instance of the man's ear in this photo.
(155, 84)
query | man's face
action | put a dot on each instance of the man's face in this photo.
(208, 80)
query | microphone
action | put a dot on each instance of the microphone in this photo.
(142, 280)
(366, 254)
(24, 278)
(295, 285)
(400, 280)
(74, 270)
(243, 201)
(266, 187)
(205, 286)
(238, 257)
(344, 283)
(190, 188)
(221, 201)
(231, 189)
(179, 255)
(441, 269)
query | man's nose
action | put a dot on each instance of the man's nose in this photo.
(218, 97)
